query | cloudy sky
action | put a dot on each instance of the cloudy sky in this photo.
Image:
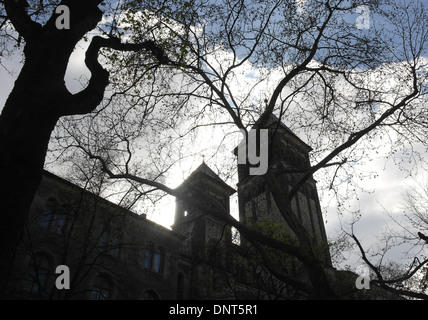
(387, 188)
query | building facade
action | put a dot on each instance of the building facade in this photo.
(112, 253)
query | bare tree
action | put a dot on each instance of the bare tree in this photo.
(337, 84)
(40, 97)
(407, 272)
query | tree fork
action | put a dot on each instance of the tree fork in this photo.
(29, 116)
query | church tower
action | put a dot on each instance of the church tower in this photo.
(206, 238)
(290, 154)
(201, 230)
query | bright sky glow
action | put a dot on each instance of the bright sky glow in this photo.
(388, 185)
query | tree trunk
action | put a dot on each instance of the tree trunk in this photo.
(31, 112)
(26, 123)
(23, 143)
(308, 256)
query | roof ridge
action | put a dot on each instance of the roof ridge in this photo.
(203, 167)
(273, 119)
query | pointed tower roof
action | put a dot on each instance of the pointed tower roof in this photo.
(273, 120)
(204, 170)
(272, 124)
(207, 170)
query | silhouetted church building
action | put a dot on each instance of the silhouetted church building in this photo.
(112, 253)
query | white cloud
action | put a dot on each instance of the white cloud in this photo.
(388, 186)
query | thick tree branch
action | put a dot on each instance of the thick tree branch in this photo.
(281, 85)
(384, 283)
(88, 99)
(279, 273)
(356, 136)
(16, 13)
(310, 257)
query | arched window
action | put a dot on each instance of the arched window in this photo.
(114, 249)
(103, 240)
(60, 219)
(54, 217)
(154, 259)
(150, 295)
(38, 271)
(158, 258)
(101, 289)
(48, 213)
(108, 243)
(148, 258)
